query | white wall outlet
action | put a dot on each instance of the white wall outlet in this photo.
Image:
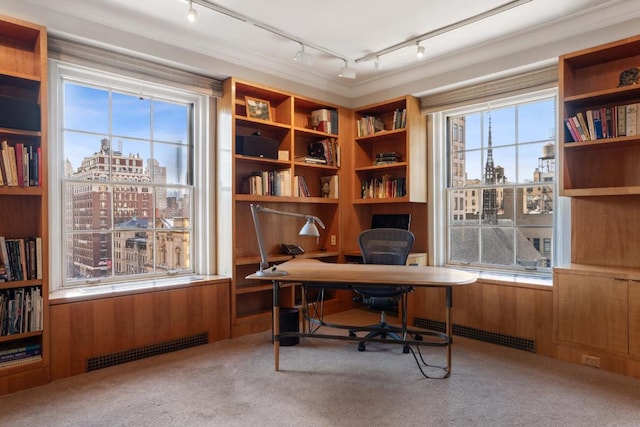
(592, 361)
(333, 240)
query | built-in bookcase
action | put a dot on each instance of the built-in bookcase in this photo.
(283, 149)
(597, 296)
(24, 343)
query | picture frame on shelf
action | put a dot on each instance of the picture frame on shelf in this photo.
(258, 108)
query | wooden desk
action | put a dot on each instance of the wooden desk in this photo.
(314, 271)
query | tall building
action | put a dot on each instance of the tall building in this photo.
(95, 205)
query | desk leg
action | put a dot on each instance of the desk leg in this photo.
(276, 324)
(449, 296)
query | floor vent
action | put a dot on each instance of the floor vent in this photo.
(107, 360)
(467, 332)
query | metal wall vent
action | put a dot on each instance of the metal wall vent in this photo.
(478, 334)
(124, 356)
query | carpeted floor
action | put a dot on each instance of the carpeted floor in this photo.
(330, 383)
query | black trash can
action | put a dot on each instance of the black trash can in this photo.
(289, 322)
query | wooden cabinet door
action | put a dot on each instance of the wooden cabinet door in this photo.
(592, 311)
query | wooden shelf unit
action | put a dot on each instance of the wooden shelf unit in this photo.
(589, 80)
(597, 296)
(410, 143)
(290, 126)
(23, 75)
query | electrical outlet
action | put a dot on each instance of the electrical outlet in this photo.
(592, 361)
(333, 240)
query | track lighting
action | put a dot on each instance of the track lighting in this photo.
(303, 57)
(420, 52)
(347, 72)
(191, 15)
(377, 63)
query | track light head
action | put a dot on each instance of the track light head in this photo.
(191, 15)
(377, 64)
(420, 53)
(303, 57)
(347, 72)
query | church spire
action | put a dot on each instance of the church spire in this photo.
(489, 195)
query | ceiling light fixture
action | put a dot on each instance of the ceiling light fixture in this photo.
(346, 71)
(191, 15)
(416, 40)
(303, 57)
(420, 53)
(208, 4)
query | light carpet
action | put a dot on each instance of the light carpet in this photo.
(330, 383)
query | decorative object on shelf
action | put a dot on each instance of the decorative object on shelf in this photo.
(258, 108)
(308, 229)
(629, 77)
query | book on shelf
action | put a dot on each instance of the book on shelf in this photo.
(383, 187)
(606, 122)
(21, 310)
(400, 118)
(324, 120)
(268, 183)
(369, 125)
(386, 158)
(300, 187)
(325, 151)
(22, 258)
(20, 165)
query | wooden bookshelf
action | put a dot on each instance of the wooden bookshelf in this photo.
(290, 126)
(596, 297)
(23, 80)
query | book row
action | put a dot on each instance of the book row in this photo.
(326, 151)
(369, 125)
(324, 120)
(20, 259)
(268, 183)
(606, 122)
(20, 310)
(20, 165)
(9, 356)
(384, 187)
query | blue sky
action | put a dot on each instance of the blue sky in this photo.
(135, 122)
(532, 124)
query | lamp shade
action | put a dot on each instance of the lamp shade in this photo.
(309, 228)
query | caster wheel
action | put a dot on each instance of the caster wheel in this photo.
(361, 347)
(405, 349)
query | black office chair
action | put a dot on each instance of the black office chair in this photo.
(389, 246)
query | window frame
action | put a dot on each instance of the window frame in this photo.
(203, 203)
(439, 204)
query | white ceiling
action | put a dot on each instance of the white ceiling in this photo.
(216, 44)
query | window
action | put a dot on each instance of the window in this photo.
(499, 186)
(126, 152)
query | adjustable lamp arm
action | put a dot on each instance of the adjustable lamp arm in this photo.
(309, 229)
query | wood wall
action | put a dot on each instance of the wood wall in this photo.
(85, 329)
(520, 311)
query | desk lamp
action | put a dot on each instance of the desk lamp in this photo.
(308, 229)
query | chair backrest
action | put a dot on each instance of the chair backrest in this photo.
(386, 245)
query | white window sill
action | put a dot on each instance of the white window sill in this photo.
(120, 289)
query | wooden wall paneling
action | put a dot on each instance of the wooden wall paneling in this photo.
(604, 230)
(510, 310)
(634, 319)
(592, 311)
(86, 329)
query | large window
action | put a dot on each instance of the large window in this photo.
(500, 189)
(126, 154)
